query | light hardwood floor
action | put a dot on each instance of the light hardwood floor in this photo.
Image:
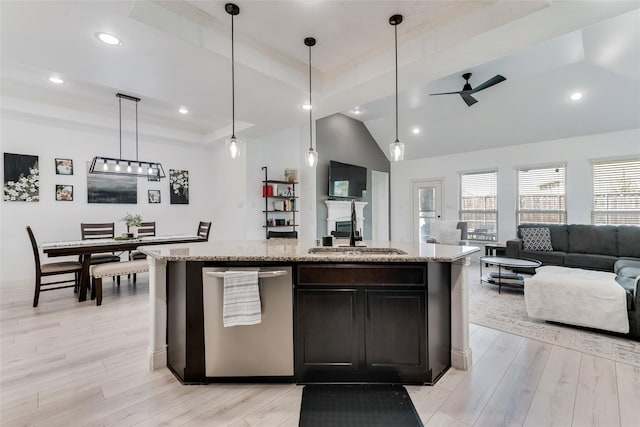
(69, 364)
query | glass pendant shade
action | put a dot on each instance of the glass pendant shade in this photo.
(312, 158)
(233, 147)
(396, 149)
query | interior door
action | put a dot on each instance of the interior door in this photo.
(427, 207)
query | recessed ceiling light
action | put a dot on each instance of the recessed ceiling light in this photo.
(415, 131)
(109, 39)
(356, 110)
(183, 110)
(55, 79)
(306, 107)
(576, 96)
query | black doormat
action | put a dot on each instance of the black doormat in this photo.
(357, 405)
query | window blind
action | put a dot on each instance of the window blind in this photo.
(479, 204)
(616, 192)
(542, 195)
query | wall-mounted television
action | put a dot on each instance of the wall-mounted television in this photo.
(347, 181)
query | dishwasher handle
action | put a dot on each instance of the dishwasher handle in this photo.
(261, 274)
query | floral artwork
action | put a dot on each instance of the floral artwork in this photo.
(179, 187)
(21, 178)
(64, 193)
(64, 167)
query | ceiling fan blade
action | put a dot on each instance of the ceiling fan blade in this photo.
(492, 81)
(445, 93)
(470, 100)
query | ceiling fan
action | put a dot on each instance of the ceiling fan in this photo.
(467, 91)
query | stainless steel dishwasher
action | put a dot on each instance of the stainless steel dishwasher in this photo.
(265, 349)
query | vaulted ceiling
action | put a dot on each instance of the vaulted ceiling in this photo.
(177, 53)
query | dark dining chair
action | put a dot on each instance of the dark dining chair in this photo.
(203, 230)
(282, 235)
(146, 229)
(50, 269)
(100, 231)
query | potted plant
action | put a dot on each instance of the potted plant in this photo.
(133, 222)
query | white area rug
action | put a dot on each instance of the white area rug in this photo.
(506, 312)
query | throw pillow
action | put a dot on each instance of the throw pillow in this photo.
(536, 239)
(449, 237)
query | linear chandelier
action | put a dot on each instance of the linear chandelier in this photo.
(126, 167)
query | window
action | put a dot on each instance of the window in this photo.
(616, 192)
(479, 204)
(541, 195)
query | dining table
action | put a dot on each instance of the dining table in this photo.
(84, 249)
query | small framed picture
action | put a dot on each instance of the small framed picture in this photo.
(64, 167)
(64, 193)
(154, 196)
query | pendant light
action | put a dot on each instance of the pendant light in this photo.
(120, 166)
(312, 155)
(233, 144)
(396, 148)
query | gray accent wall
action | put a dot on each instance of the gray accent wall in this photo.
(345, 140)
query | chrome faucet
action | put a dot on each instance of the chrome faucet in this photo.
(352, 235)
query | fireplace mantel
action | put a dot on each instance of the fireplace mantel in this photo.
(340, 210)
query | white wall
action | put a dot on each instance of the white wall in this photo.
(224, 191)
(576, 152)
(53, 220)
(284, 149)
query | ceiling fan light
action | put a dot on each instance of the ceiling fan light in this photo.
(396, 151)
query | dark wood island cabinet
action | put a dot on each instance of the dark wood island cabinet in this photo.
(372, 323)
(354, 317)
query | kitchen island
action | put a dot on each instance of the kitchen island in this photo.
(390, 312)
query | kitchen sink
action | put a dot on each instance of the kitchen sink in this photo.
(360, 250)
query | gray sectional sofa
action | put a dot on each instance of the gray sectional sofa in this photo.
(592, 247)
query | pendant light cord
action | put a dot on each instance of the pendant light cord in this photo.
(233, 86)
(136, 130)
(311, 105)
(120, 113)
(395, 27)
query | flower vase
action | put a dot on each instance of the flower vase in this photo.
(133, 230)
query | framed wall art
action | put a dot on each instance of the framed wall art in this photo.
(111, 188)
(64, 167)
(21, 178)
(179, 187)
(154, 196)
(64, 193)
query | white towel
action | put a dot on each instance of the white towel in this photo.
(241, 301)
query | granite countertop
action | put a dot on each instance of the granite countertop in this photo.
(293, 250)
